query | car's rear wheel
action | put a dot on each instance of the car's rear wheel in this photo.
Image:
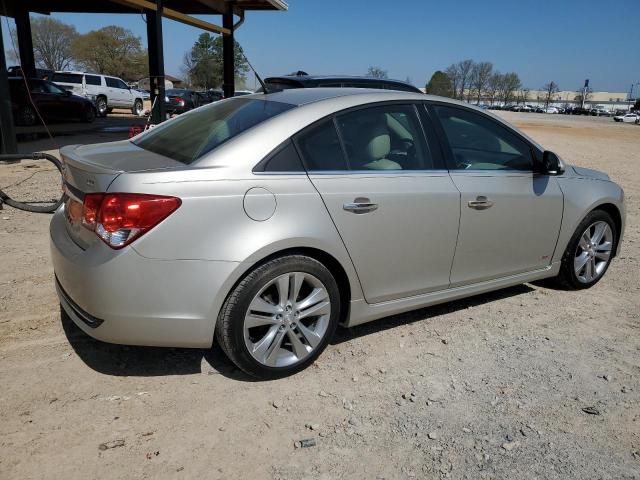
(26, 116)
(280, 317)
(101, 106)
(137, 107)
(589, 252)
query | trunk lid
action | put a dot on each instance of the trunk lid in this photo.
(92, 169)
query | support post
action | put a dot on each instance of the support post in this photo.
(156, 63)
(25, 43)
(7, 131)
(228, 55)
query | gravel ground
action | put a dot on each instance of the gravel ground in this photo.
(528, 381)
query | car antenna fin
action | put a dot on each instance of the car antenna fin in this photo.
(260, 81)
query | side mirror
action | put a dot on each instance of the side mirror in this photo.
(552, 164)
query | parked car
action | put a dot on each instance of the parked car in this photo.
(51, 101)
(105, 91)
(551, 109)
(209, 96)
(275, 84)
(578, 111)
(41, 73)
(599, 112)
(627, 118)
(180, 100)
(266, 220)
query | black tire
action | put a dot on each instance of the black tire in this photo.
(88, 114)
(137, 108)
(26, 116)
(230, 323)
(567, 277)
(101, 106)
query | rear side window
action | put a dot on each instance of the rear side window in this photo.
(479, 143)
(92, 80)
(194, 134)
(67, 78)
(320, 147)
(284, 159)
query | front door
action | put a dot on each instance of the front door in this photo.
(509, 215)
(396, 212)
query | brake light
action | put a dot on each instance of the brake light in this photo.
(120, 218)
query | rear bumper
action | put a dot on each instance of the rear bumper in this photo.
(119, 296)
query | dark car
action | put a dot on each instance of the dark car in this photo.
(180, 100)
(51, 101)
(209, 96)
(276, 84)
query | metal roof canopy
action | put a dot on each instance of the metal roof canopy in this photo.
(154, 10)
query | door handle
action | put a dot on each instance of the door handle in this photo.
(480, 203)
(360, 205)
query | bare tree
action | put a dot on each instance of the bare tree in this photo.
(493, 86)
(52, 41)
(550, 89)
(377, 72)
(509, 85)
(523, 95)
(454, 77)
(583, 96)
(479, 78)
(465, 67)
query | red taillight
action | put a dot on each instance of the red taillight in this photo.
(179, 99)
(119, 218)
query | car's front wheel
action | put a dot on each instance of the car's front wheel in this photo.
(280, 317)
(589, 252)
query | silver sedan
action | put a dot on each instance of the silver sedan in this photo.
(267, 220)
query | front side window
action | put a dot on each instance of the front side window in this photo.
(111, 82)
(122, 85)
(384, 138)
(194, 134)
(479, 143)
(53, 88)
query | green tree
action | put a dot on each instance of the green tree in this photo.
(203, 63)
(440, 84)
(112, 50)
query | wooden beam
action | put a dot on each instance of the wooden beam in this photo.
(175, 15)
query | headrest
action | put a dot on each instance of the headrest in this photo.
(379, 144)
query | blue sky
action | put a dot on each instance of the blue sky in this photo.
(542, 40)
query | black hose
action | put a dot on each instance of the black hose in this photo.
(4, 198)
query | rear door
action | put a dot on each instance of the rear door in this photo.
(392, 202)
(510, 214)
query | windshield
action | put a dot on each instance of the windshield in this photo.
(192, 135)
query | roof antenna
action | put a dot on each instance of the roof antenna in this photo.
(262, 84)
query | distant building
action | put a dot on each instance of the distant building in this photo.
(566, 98)
(169, 82)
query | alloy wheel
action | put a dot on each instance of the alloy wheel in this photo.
(287, 319)
(593, 252)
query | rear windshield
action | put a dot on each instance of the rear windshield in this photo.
(67, 77)
(277, 85)
(194, 134)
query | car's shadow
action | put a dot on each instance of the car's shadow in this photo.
(128, 361)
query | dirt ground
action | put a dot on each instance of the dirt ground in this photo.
(492, 387)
